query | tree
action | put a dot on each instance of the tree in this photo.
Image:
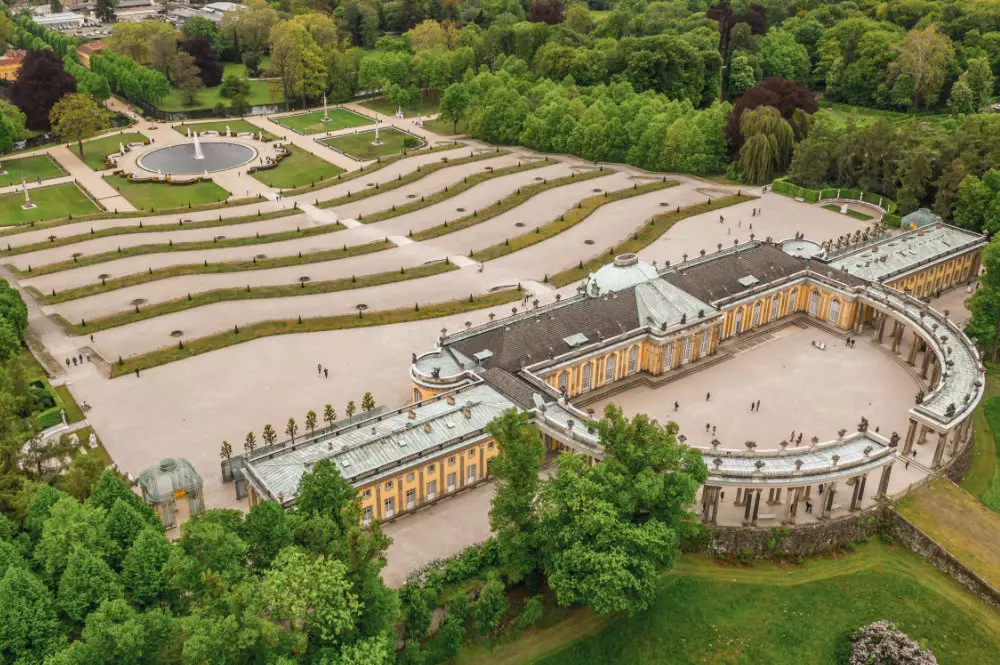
(105, 11)
(786, 96)
(923, 61)
(227, 451)
(133, 40)
(269, 435)
(123, 524)
(547, 11)
(29, 628)
(512, 512)
(206, 59)
(234, 85)
(428, 35)
(162, 49)
(291, 429)
(323, 491)
(267, 532)
(81, 475)
(143, 574)
(249, 26)
(455, 104)
(86, 583)
(311, 422)
(115, 634)
(742, 75)
(42, 81)
(197, 26)
(979, 78)
(578, 19)
(367, 402)
(250, 442)
(70, 524)
(11, 126)
(489, 608)
(782, 56)
(187, 77)
(76, 116)
(110, 488)
(312, 594)
(962, 101)
(55, 6)
(329, 415)
(351, 409)
(768, 143)
(727, 20)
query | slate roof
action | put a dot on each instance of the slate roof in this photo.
(511, 386)
(717, 276)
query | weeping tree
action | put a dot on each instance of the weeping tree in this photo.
(768, 141)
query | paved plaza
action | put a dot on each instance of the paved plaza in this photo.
(187, 408)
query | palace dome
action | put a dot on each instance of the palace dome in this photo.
(625, 272)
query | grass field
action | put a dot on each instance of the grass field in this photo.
(850, 213)
(51, 203)
(445, 128)
(95, 151)
(158, 196)
(983, 477)
(312, 123)
(236, 125)
(261, 92)
(30, 168)
(428, 106)
(711, 612)
(865, 116)
(298, 168)
(359, 146)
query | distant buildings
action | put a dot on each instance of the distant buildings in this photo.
(10, 62)
(61, 21)
(86, 50)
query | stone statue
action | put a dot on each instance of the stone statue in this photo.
(62, 414)
(92, 441)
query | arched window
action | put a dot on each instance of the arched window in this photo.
(668, 356)
(416, 395)
(756, 315)
(705, 338)
(774, 307)
(609, 369)
(814, 302)
(834, 311)
(737, 328)
(588, 372)
(633, 360)
(686, 356)
(563, 382)
(793, 300)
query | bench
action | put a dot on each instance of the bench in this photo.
(835, 506)
(765, 517)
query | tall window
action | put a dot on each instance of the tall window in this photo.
(737, 328)
(563, 382)
(432, 489)
(774, 307)
(470, 473)
(633, 360)
(834, 311)
(814, 302)
(686, 355)
(366, 516)
(793, 300)
(389, 507)
(705, 337)
(756, 315)
(668, 356)
(451, 482)
(588, 375)
(411, 498)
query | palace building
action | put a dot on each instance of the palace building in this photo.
(632, 323)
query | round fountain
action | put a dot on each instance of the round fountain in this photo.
(197, 158)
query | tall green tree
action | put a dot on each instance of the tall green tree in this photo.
(87, 582)
(267, 533)
(768, 144)
(29, 628)
(923, 62)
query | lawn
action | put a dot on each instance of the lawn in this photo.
(261, 92)
(359, 146)
(161, 196)
(445, 127)
(428, 106)
(298, 168)
(52, 202)
(39, 167)
(236, 126)
(312, 122)
(95, 151)
(866, 116)
(850, 213)
(983, 478)
(711, 612)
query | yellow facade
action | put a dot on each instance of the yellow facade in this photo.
(423, 482)
(939, 276)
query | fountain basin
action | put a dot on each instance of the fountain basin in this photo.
(180, 159)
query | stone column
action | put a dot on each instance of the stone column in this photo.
(861, 490)
(756, 507)
(706, 501)
(910, 434)
(928, 355)
(854, 493)
(923, 434)
(939, 449)
(897, 336)
(770, 496)
(883, 483)
(777, 495)
(739, 495)
(715, 505)
(881, 327)
(914, 348)
(935, 373)
(746, 513)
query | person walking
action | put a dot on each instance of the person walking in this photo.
(757, 408)
(708, 426)
(319, 368)
(676, 406)
(326, 373)
(708, 396)
(751, 407)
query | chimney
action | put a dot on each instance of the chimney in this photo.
(450, 399)
(427, 428)
(373, 430)
(411, 414)
(468, 413)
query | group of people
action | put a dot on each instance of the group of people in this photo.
(77, 359)
(849, 342)
(323, 371)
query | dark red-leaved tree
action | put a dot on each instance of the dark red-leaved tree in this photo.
(723, 14)
(547, 11)
(782, 94)
(206, 59)
(41, 82)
